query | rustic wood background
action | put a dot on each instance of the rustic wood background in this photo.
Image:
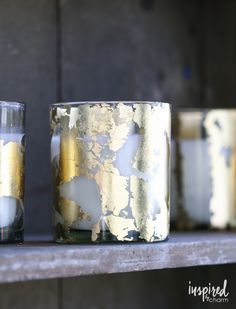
(179, 51)
(164, 289)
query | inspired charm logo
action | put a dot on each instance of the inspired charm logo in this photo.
(210, 293)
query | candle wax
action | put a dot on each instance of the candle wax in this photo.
(8, 205)
(196, 179)
(84, 191)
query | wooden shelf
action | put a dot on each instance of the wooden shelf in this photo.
(42, 259)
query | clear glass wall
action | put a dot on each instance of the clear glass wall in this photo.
(12, 152)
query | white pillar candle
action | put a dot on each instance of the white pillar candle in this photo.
(191, 188)
(7, 210)
(55, 147)
(196, 182)
(84, 191)
(8, 204)
(206, 168)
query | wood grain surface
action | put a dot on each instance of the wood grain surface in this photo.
(43, 260)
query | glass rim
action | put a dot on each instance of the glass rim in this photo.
(12, 104)
(77, 103)
(202, 109)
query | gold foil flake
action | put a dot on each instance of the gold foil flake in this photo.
(221, 128)
(123, 125)
(139, 202)
(60, 112)
(153, 128)
(120, 227)
(152, 230)
(122, 114)
(151, 219)
(71, 212)
(53, 123)
(95, 231)
(167, 165)
(96, 150)
(118, 136)
(189, 125)
(63, 118)
(11, 169)
(147, 229)
(99, 120)
(148, 162)
(90, 158)
(56, 115)
(70, 156)
(113, 190)
(73, 118)
(141, 112)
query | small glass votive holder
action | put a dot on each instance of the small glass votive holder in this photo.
(111, 163)
(204, 169)
(12, 153)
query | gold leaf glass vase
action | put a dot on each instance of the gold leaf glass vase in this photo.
(12, 149)
(204, 169)
(111, 171)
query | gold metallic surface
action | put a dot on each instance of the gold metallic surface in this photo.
(221, 131)
(149, 128)
(93, 138)
(70, 156)
(187, 128)
(11, 169)
(71, 212)
(212, 135)
(188, 124)
(95, 231)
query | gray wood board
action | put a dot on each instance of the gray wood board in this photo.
(220, 51)
(123, 50)
(165, 289)
(28, 295)
(48, 260)
(28, 72)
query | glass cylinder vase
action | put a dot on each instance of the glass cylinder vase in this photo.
(111, 171)
(12, 150)
(204, 169)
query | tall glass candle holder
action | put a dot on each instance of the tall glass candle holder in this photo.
(111, 171)
(204, 169)
(12, 149)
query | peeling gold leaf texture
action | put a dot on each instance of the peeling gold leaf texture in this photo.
(11, 169)
(215, 156)
(188, 124)
(117, 154)
(221, 129)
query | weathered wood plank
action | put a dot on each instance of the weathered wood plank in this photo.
(28, 70)
(128, 50)
(164, 289)
(48, 260)
(220, 50)
(28, 295)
